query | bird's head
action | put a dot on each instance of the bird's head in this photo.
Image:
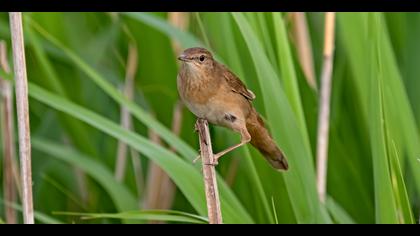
(197, 58)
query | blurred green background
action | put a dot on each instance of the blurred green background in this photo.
(79, 84)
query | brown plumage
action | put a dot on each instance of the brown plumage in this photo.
(212, 92)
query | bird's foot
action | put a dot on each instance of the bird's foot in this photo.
(196, 124)
(214, 163)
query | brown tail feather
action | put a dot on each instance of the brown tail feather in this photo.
(262, 140)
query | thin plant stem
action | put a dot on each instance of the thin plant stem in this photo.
(7, 132)
(209, 172)
(324, 112)
(157, 181)
(126, 119)
(169, 186)
(181, 21)
(22, 105)
(131, 69)
(304, 47)
(160, 188)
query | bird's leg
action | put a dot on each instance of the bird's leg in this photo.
(245, 138)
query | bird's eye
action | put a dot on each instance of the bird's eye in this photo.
(202, 57)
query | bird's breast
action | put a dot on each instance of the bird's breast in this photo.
(197, 93)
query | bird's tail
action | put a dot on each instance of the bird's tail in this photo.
(262, 140)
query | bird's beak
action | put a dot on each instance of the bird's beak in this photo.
(183, 57)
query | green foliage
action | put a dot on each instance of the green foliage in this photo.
(76, 67)
(151, 215)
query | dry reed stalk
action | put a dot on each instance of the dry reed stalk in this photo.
(324, 112)
(154, 179)
(181, 21)
(160, 190)
(126, 119)
(168, 186)
(209, 172)
(157, 182)
(126, 122)
(9, 149)
(303, 46)
(21, 88)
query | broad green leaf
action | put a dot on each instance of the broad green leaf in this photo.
(185, 176)
(39, 216)
(288, 73)
(357, 31)
(152, 215)
(123, 199)
(384, 198)
(185, 150)
(78, 134)
(338, 213)
(256, 182)
(405, 215)
(300, 178)
(184, 38)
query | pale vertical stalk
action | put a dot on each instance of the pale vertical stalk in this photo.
(209, 172)
(126, 119)
(181, 21)
(160, 190)
(126, 123)
(303, 46)
(169, 186)
(21, 88)
(157, 182)
(154, 179)
(80, 179)
(9, 149)
(165, 186)
(324, 112)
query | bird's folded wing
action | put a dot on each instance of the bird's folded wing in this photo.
(236, 84)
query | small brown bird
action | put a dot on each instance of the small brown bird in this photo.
(212, 92)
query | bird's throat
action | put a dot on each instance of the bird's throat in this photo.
(196, 85)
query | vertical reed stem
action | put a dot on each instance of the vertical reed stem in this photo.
(209, 172)
(303, 46)
(9, 165)
(160, 190)
(126, 123)
(324, 112)
(21, 87)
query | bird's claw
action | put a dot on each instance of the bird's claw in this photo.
(196, 125)
(214, 163)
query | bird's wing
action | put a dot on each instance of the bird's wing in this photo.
(236, 84)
